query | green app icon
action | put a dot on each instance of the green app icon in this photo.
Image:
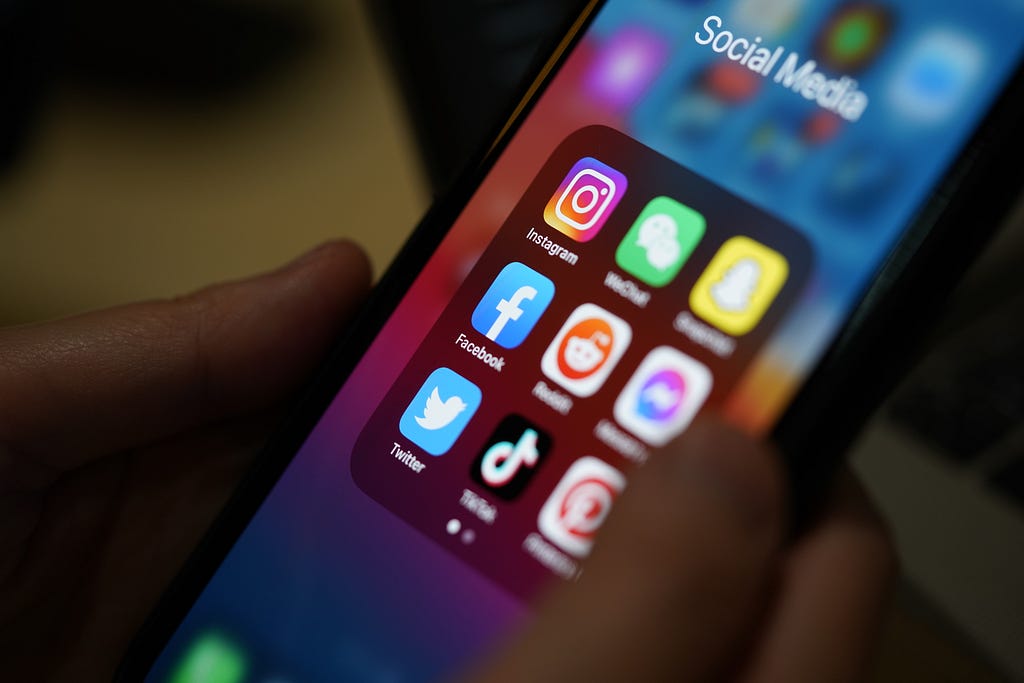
(662, 238)
(211, 659)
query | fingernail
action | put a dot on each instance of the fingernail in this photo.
(741, 472)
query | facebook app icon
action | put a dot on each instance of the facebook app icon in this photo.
(513, 305)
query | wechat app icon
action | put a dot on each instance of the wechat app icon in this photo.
(661, 239)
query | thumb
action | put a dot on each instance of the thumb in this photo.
(678, 574)
(75, 389)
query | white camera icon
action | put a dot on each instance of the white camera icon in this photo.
(585, 199)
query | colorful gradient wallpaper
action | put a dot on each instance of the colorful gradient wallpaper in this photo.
(682, 223)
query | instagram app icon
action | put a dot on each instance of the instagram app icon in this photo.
(585, 199)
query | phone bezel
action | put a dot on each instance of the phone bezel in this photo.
(884, 328)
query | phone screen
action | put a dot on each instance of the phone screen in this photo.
(682, 223)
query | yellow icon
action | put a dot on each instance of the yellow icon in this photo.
(739, 285)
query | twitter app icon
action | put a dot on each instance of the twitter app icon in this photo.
(440, 411)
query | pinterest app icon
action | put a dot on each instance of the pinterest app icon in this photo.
(585, 199)
(579, 505)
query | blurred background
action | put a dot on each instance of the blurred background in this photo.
(147, 149)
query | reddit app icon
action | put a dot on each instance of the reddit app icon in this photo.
(586, 349)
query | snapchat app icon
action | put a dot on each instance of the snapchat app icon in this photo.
(739, 285)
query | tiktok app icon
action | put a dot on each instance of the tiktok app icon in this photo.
(511, 457)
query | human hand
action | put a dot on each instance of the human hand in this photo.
(122, 433)
(690, 581)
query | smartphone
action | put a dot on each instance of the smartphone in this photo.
(745, 207)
